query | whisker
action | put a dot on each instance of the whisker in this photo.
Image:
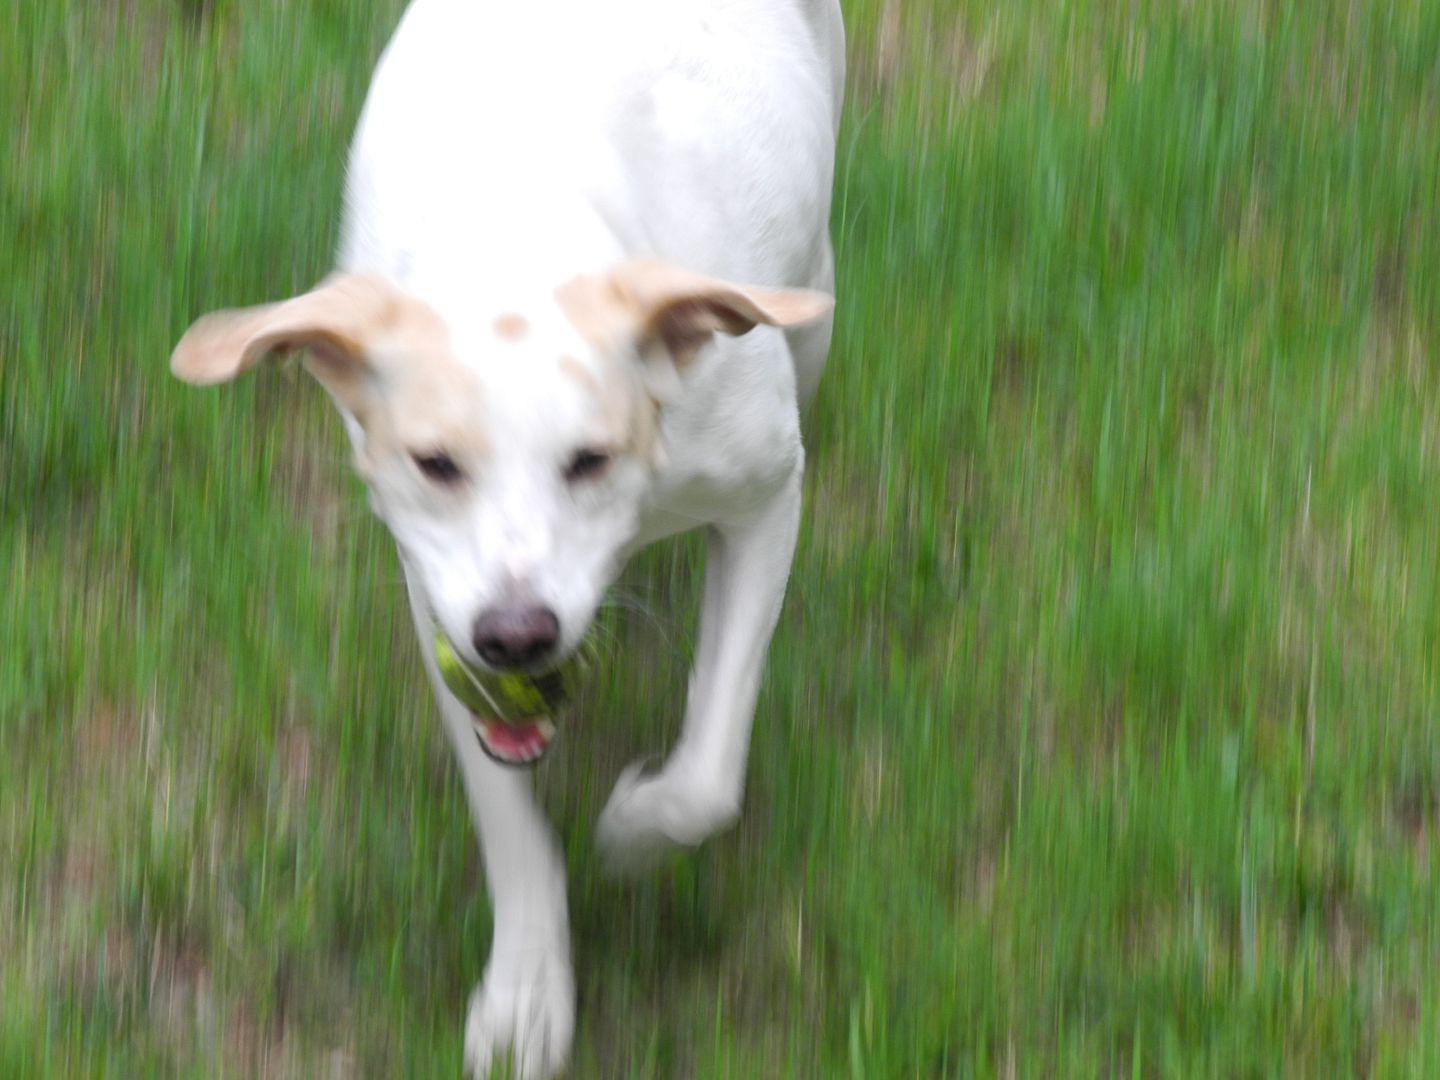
(618, 600)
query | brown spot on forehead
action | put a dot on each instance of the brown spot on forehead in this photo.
(511, 327)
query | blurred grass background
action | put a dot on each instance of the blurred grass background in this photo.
(1099, 735)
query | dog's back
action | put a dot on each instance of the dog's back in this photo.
(700, 130)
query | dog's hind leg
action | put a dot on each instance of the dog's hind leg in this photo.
(523, 1010)
(699, 789)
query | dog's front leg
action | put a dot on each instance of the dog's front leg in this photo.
(523, 1010)
(699, 789)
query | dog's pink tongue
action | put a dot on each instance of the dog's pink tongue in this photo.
(514, 744)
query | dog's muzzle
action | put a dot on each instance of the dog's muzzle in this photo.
(513, 712)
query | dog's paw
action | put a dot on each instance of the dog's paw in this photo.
(649, 815)
(522, 1018)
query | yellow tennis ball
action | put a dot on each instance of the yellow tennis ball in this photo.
(512, 695)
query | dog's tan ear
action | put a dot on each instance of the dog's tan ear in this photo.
(335, 323)
(681, 310)
(664, 308)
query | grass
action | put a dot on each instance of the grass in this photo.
(1099, 735)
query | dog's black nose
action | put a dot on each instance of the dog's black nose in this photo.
(516, 637)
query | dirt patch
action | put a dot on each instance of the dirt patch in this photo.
(908, 42)
(312, 464)
(1416, 812)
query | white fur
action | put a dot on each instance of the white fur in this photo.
(505, 148)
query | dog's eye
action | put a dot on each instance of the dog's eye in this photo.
(439, 467)
(587, 464)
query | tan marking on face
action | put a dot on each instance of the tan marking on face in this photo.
(430, 405)
(629, 412)
(511, 327)
(603, 317)
(573, 369)
(423, 400)
(384, 355)
(597, 311)
(609, 393)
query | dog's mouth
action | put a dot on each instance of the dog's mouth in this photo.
(514, 743)
(511, 712)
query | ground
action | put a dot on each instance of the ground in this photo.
(1099, 734)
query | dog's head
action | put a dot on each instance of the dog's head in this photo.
(510, 455)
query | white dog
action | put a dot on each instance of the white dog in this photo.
(542, 354)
